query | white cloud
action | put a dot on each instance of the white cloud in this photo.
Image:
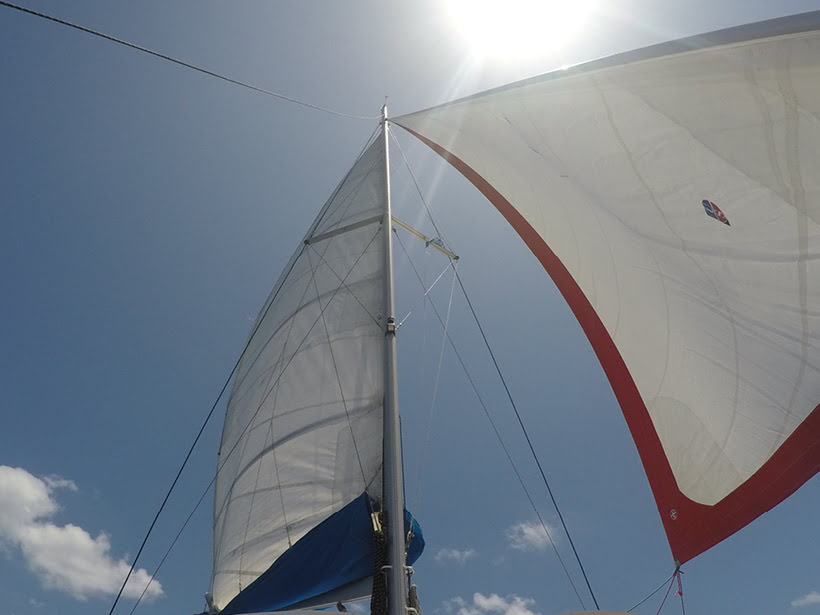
(807, 600)
(450, 606)
(490, 605)
(65, 557)
(529, 536)
(54, 481)
(454, 555)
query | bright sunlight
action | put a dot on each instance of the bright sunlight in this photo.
(518, 28)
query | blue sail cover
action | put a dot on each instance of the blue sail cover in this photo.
(335, 553)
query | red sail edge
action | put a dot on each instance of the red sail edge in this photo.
(691, 528)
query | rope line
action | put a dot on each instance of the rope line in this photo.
(655, 591)
(667, 594)
(338, 277)
(176, 479)
(319, 219)
(213, 480)
(527, 438)
(336, 368)
(295, 352)
(430, 213)
(426, 292)
(173, 544)
(680, 591)
(199, 434)
(224, 459)
(204, 71)
(487, 414)
(509, 397)
(190, 451)
(431, 412)
(188, 455)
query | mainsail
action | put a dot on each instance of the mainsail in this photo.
(673, 195)
(301, 454)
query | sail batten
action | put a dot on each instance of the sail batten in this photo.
(674, 200)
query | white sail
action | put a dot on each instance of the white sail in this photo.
(303, 430)
(674, 196)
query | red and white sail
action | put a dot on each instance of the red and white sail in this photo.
(673, 194)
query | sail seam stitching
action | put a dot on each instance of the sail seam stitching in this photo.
(336, 371)
(228, 496)
(343, 285)
(223, 461)
(289, 268)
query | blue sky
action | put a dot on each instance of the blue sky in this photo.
(147, 210)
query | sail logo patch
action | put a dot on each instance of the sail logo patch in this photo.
(715, 212)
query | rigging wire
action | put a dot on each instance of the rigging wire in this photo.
(679, 574)
(187, 457)
(239, 438)
(256, 326)
(330, 268)
(223, 460)
(509, 397)
(487, 414)
(527, 437)
(205, 71)
(431, 412)
(655, 591)
(667, 594)
(430, 213)
(304, 247)
(173, 544)
(176, 479)
(336, 366)
(426, 292)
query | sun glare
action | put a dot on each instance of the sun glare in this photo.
(518, 28)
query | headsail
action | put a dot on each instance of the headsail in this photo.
(672, 194)
(301, 450)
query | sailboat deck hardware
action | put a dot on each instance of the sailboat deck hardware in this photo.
(433, 242)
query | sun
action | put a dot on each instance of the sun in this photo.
(518, 28)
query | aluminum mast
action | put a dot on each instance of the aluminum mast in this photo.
(393, 474)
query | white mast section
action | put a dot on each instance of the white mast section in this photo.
(393, 474)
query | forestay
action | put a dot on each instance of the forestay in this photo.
(303, 432)
(673, 195)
